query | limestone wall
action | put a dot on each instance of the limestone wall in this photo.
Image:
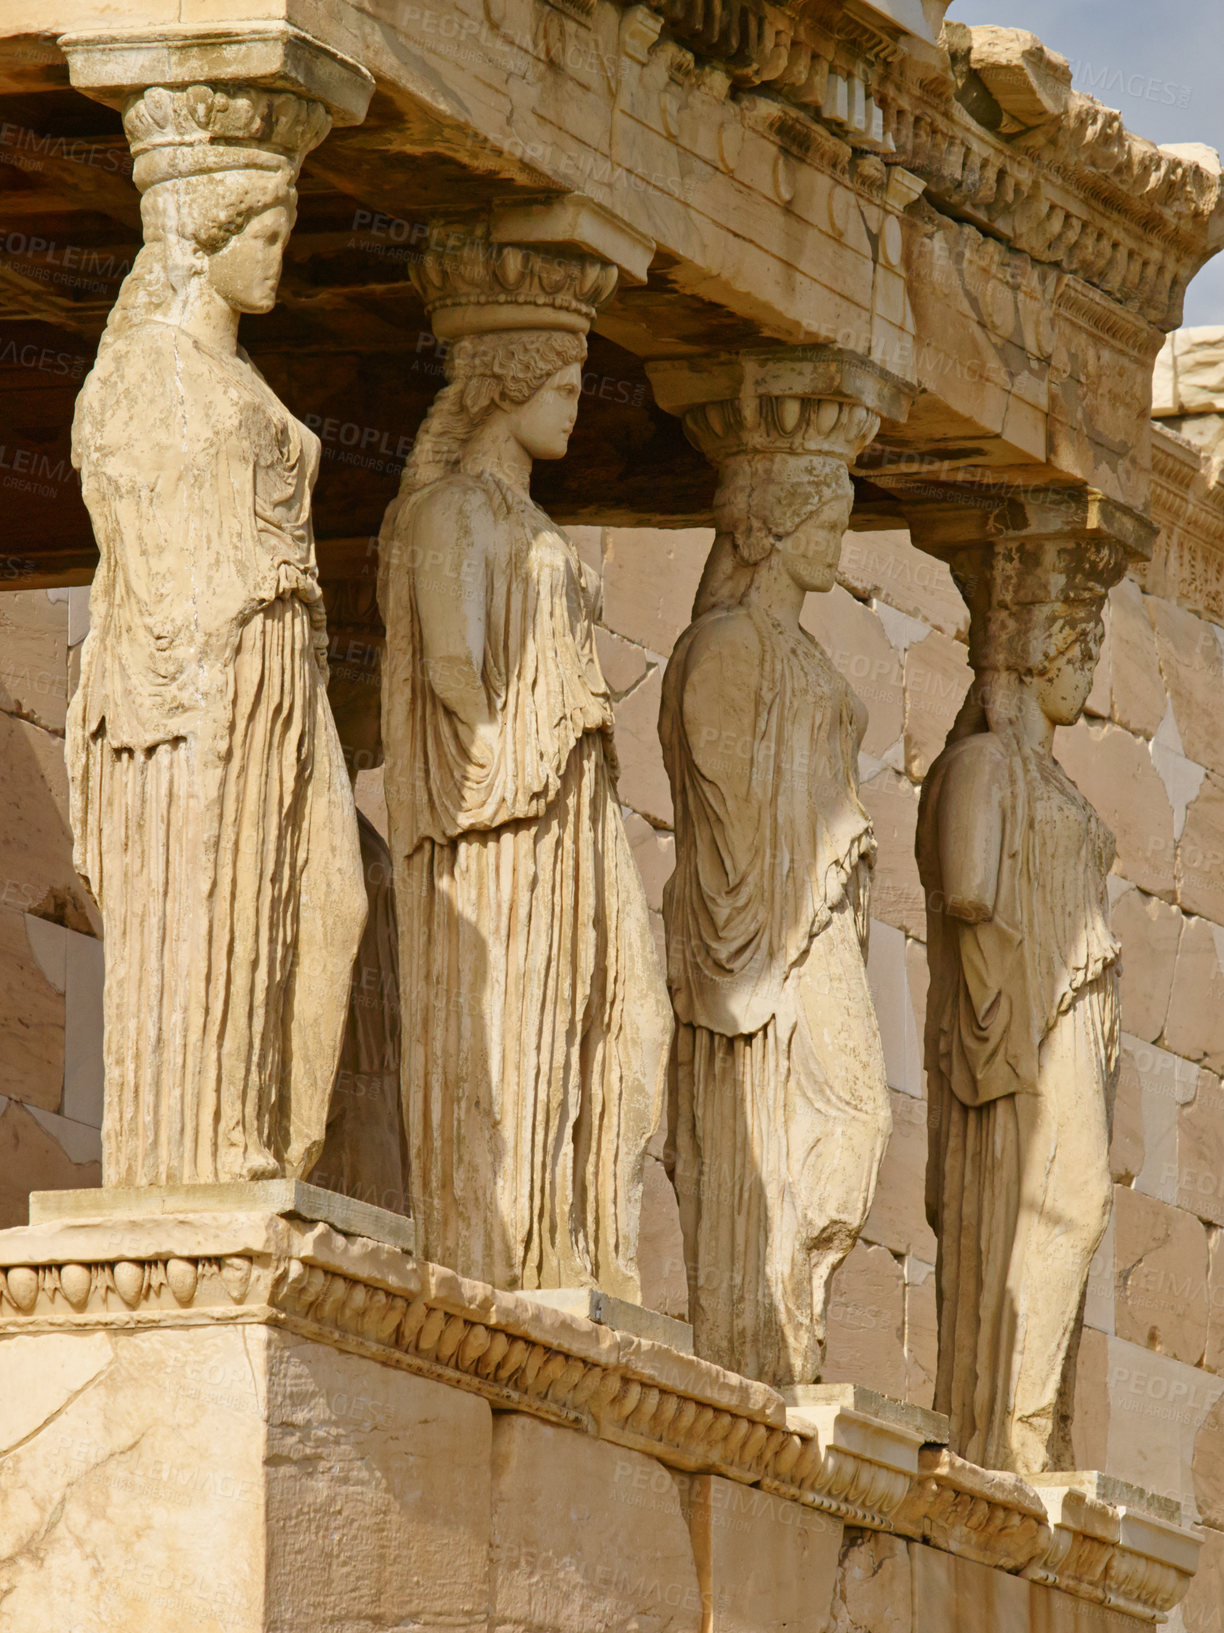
(1149, 754)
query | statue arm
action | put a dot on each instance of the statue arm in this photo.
(719, 707)
(971, 836)
(451, 532)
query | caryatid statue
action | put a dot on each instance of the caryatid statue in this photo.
(212, 813)
(779, 1098)
(1022, 1013)
(534, 1015)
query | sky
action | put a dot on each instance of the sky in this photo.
(1159, 62)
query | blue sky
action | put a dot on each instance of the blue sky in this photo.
(1160, 64)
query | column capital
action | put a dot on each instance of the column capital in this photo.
(115, 65)
(787, 399)
(473, 284)
(955, 517)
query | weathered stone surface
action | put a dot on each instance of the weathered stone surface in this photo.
(36, 871)
(32, 979)
(1161, 1259)
(84, 1077)
(1137, 686)
(1114, 772)
(1157, 1407)
(1200, 852)
(1202, 1610)
(921, 1332)
(586, 1535)
(1149, 931)
(1194, 1026)
(650, 579)
(854, 638)
(623, 663)
(34, 657)
(661, 1245)
(642, 783)
(937, 676)
(888, 973)
(954, 1593)
(1126, 1149)
(330, 1486)
(896, 891)
(866, 1323)
(875, 1591)
(1192, 668)
(1200, 1151)
(1208, 1467)
(1091, 1409)
(32, 1160)
(655, 855)
(1214, 1356)
(888, 565)
(898, 1218)
(764, 1565)
(1160, 1083)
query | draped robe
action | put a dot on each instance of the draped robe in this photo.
(780, 1109)
(535, 1019)
(1021, 1055)
(211, 809)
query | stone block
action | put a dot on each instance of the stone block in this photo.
(1208, 1467)
(1157, 1406)
(1091, 1406)
(921, 1332)
(34, 657)
(1114, 772)
(1165, 1084)
(1192, 668)
(1099, 1310)
(655, 855)
(1200, 1151)
(937, 676)
(951, 1594)
(623, 663)
(875, 1591)
(31, 1159)
(643, 783)
(1137, 686)
(765, 1565)
(855, 639)
(887, 565)
(661, 1245)
(1126, 1137)
(919, 976)
(32, 978)
(1213, 1359)
(1194, 1025)
(650, 576)
(586, 1536)
(1160, 1256)
(898, 1211)
(896, 890)
(888, 977)
(1149, 931)
(83, 1071)
(866, 1322)
(1051, 1611)
(1200, 852)
(236, 1479)
(36, 871)
(1202, 1610)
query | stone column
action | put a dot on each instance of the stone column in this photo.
(1022, 1014)
(535, 1021)
(211, 810)
(780, 1109)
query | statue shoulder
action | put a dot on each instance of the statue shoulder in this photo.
(727, 637)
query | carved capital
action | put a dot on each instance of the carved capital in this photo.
(473, 285)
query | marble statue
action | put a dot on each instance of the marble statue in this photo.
(780, 1108)
(1022, 1016)
(535, 1018)
(212, 815)
(365, 1154)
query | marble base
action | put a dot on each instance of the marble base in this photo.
(277, 1196)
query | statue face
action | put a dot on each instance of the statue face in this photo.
(1062, 688)
(247, 271)
(811, 553)
(544, 422)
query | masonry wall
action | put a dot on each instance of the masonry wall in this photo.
(1149, 755)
